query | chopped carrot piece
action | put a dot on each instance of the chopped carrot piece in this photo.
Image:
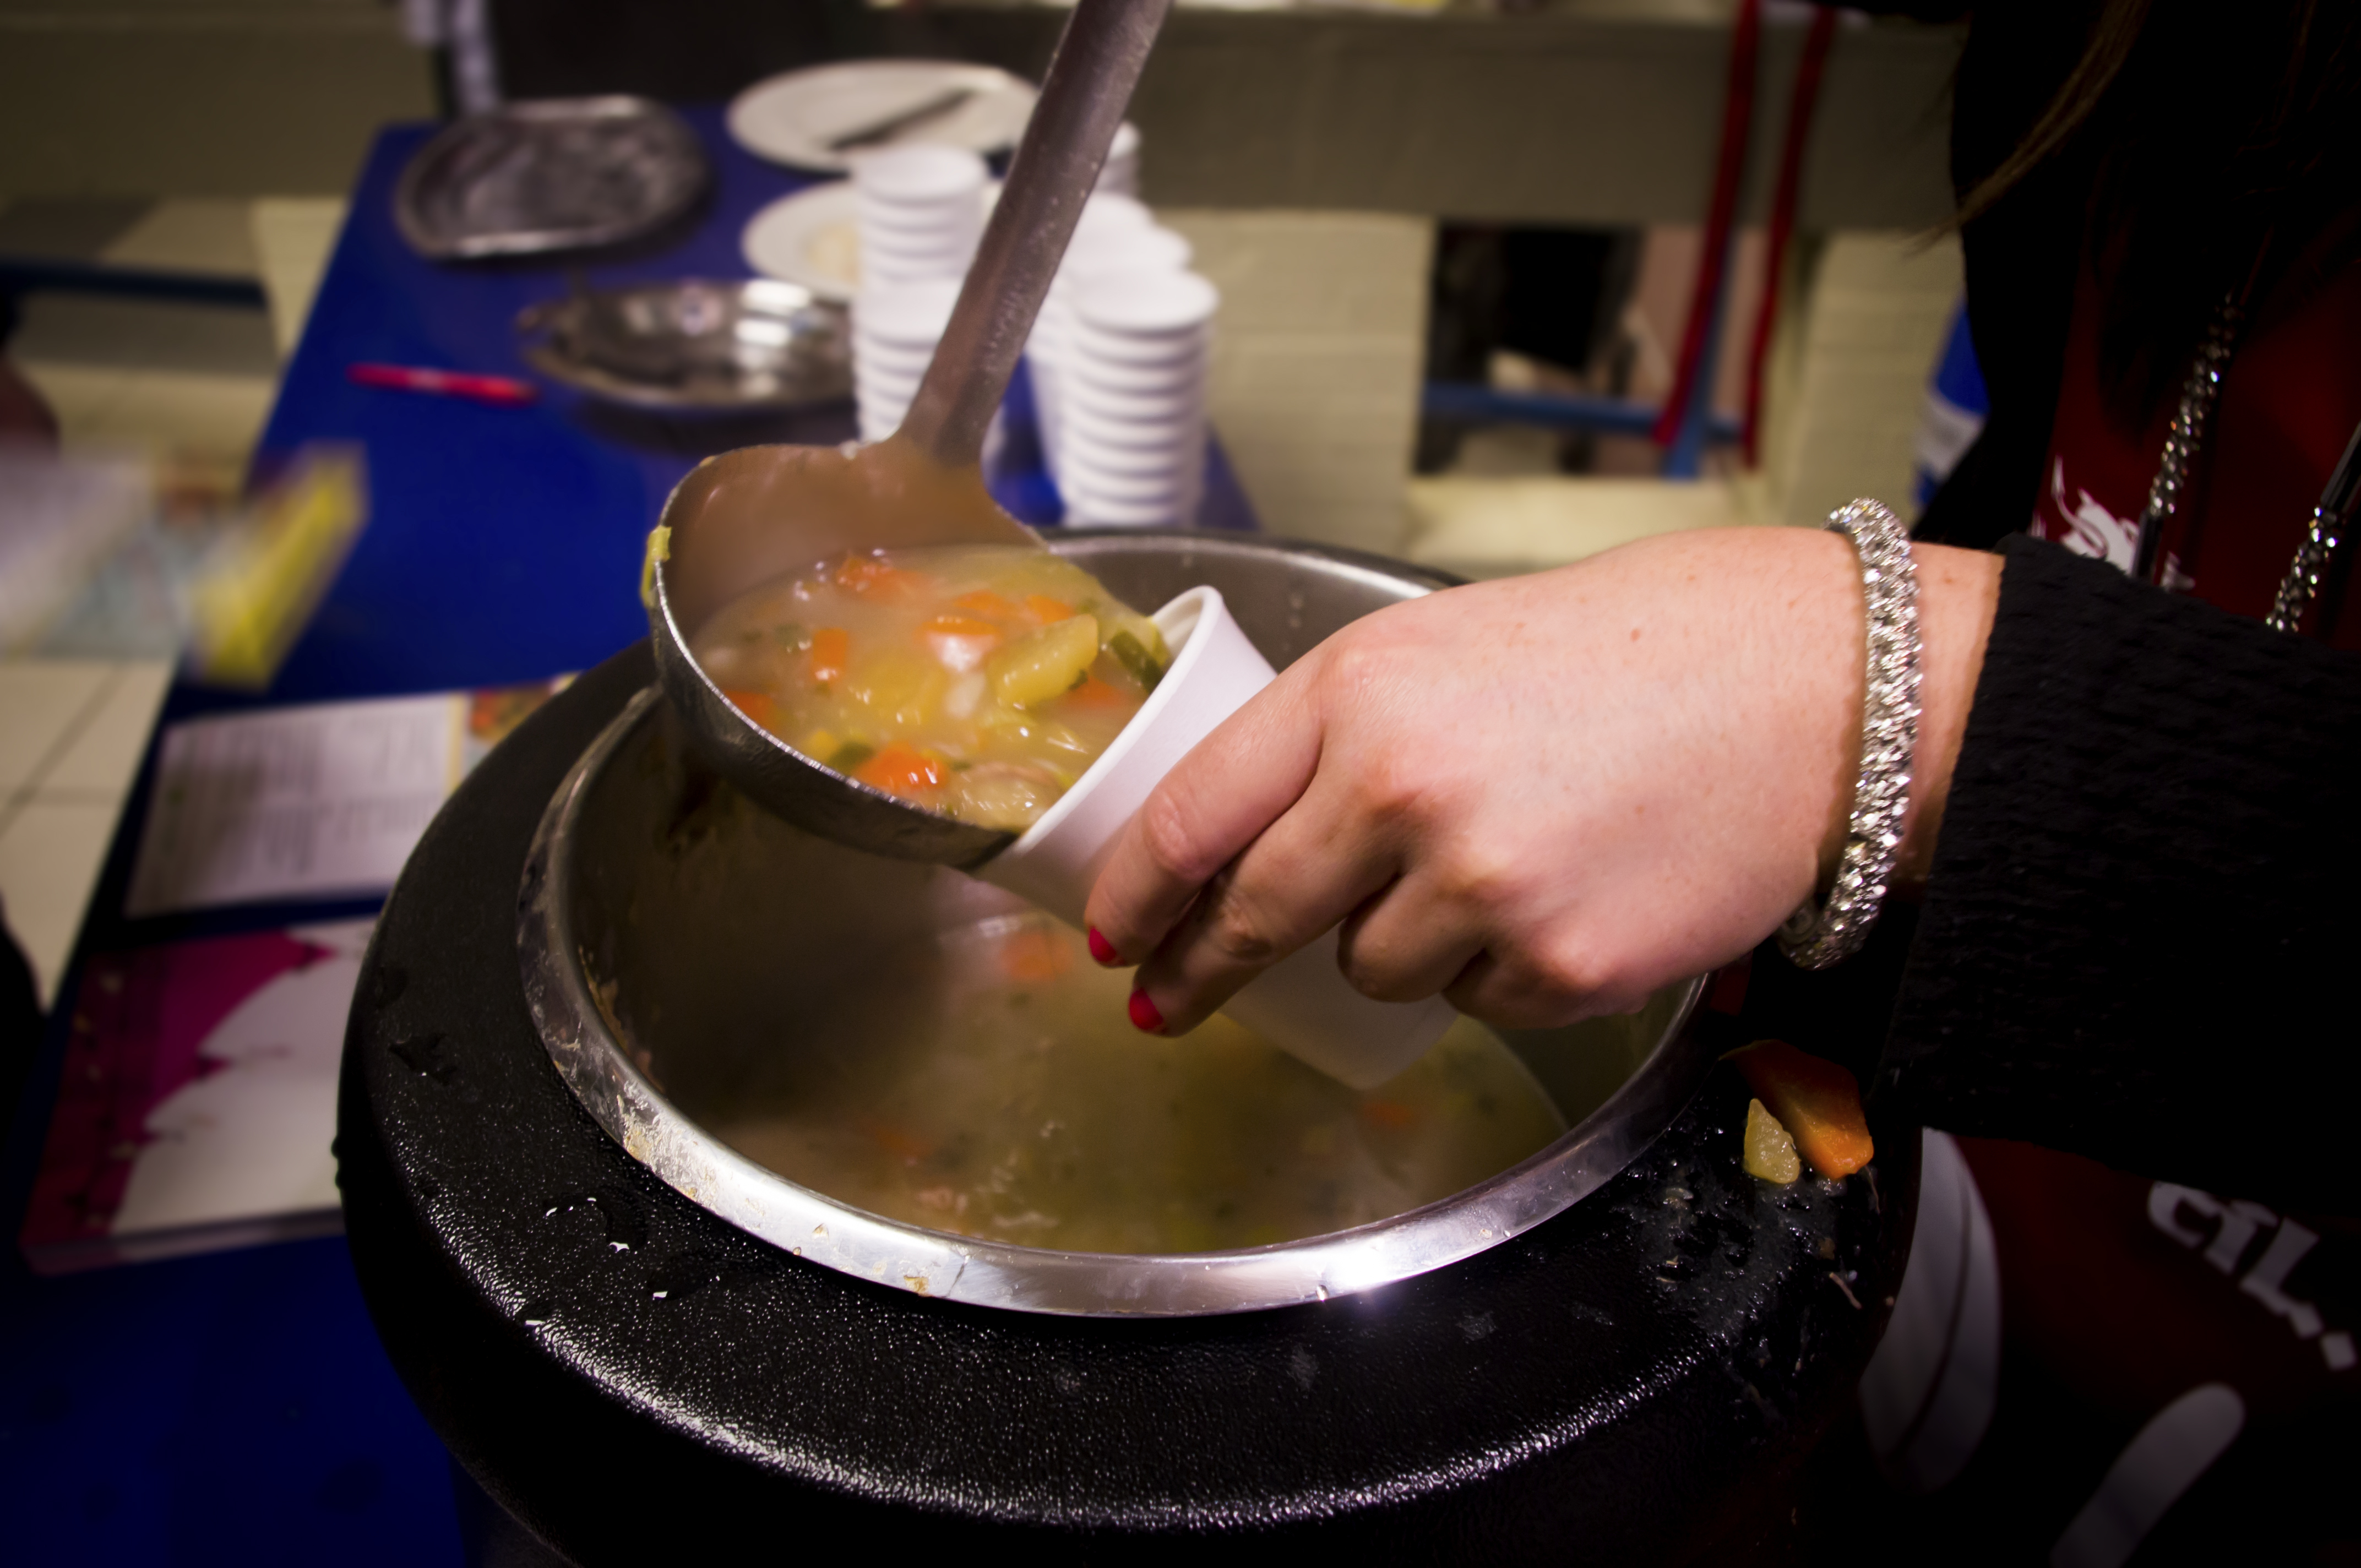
(1390, 1115)
(1094, 693)
(902, 769)
(983, 601)
(1033, 955)
(905, 1147)
(760, 706)
(959, 641)
(1816, 1100)
(831, 646)
(1047, 610)
(873, 578)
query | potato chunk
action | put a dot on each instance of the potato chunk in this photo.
(1769, 1151)
(1044, 663)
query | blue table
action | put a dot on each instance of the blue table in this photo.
(505, 542)
(237, 1407)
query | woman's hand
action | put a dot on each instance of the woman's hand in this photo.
(1545, 796)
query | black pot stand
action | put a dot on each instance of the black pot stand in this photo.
(630, 1375)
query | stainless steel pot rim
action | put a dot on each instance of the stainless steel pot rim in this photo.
(811, 1225)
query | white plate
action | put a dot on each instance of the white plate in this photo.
(791, 118)
(812, 237)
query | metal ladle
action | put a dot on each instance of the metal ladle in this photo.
(747, 516)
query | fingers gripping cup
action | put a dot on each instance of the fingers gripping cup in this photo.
(1303, 1003)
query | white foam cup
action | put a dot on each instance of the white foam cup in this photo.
(889, 403)
(1139, 490)
(1088, 380)
(1301, 1005)
(1089, 510)
(1144, 246)
(1135, 361)
(1111, 210)
(913, 313)
(1120, 173)
(1131, 462)
(918, 173)
(1086, 429)
(883, 263)
(889, 359)
(1144, 306)
(888, 271)
(1161, 407)
(1092, 514)
(1086, 488)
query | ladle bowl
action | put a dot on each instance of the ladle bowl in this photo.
(741, 519)
(744, 518)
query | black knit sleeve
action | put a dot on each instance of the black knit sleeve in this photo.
(2139, 938)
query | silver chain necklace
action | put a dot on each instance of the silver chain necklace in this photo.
(2301, 583)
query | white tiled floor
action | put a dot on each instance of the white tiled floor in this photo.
(294, 237)
(72, 734)
(51, 853)
(181, 412)
(39, 704)
(190, 235)
(189, 383)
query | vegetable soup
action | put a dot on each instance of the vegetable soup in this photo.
(977, 681)
(983, 1083)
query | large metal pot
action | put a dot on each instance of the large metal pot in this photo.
(677, 905)
(604, 1312)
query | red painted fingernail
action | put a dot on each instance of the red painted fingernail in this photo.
(1103, 949)
(1144, 1016)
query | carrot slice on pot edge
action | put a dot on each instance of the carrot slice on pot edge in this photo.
(1815, 1100)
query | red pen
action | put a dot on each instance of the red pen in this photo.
(501, 390)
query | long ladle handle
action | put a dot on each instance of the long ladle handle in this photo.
(1082, 101)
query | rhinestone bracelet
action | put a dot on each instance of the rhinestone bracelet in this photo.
(1814, 938)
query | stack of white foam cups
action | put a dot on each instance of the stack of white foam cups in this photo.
(1131, 446)
(920, 212)
(1119, 176)
(896, 327)
(1115, 235)
(920, 215)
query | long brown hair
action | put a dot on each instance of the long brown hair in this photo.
(2228, 137)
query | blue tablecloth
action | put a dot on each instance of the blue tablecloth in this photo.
(504, 543)
(237, 1407)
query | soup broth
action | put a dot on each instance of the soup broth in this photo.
(1000, 1095)
(977, 681)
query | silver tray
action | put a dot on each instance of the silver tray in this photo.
(692, 346)
(550, 174)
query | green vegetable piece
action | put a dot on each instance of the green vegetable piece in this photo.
(790, 635)
(1143, 664)
(851, 755)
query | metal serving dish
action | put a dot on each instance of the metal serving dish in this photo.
(550, 174)
(656, 902)
(695, 345)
